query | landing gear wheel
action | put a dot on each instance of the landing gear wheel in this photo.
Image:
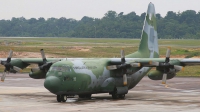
(122, 96)
(63, 98)
(88, 96)
(59, 98)
(81, 96)
(115, 96)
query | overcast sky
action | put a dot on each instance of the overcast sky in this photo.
(93, 8)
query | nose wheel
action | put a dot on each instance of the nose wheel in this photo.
(61, 98)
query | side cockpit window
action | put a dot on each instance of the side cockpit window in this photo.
(63, 68)
(66, 68)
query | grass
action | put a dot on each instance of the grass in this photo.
(71, 47)
(190, 71)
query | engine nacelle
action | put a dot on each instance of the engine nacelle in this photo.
(38, 75)
(157, 75)
(18, 63)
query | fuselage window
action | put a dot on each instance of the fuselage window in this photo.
(61, 68)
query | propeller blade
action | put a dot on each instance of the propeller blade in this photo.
(3, 76)
(168, 54)
(164, 78)
(122, 53)
(35, 69)
(17, 69)
(112, 67)
(122, 56)
(43, 55)
(135, 64)
(124, 79)
(9, 56)
(154, 63)
(179, 68)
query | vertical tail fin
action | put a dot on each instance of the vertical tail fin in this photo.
(148, 47)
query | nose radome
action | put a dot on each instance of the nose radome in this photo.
(52, 83)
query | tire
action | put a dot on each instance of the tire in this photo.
(63, 98)
(88, 95)
(115, 96)
(59, 98)
(122, 96)
(81, 96)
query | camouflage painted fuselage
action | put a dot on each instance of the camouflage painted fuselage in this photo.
(89, 76)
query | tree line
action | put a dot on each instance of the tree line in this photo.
(181, 25)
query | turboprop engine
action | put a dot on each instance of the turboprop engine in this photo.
(42, 69)
(158, 75)
(168, 68)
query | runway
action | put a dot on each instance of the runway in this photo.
(19, 93)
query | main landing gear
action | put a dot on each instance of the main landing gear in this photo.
(118, 96)
(61, 98)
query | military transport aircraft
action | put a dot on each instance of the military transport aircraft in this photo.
(86, 76)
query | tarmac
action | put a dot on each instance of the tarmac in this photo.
(19, 93)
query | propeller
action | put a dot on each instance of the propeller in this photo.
(123, 63)
(166, 65)
(123, 66)
(8, 66)
(166, 68)
(45, 65)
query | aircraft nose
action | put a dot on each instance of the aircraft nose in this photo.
(52, 83)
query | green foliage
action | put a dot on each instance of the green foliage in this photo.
(113, 25)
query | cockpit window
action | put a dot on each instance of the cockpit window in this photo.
(61, 68)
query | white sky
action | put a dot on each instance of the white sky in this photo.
(93, 8)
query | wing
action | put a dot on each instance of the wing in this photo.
(173, 61)
(166, 68)
(147, 62)
(21, 63)
(38, 60)
(17, 64)
(190, 62)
